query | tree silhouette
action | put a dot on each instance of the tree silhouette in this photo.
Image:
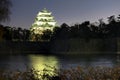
(46, 35)
(26, 35)
(112, 27)
(118, 18)
(118, 24)
(102, 28)
(1, 32)
(111, 19)
(84, 29)
(61, 32)
(7, 34)
(56, 33)
(64, 33)
(94, 31)
(5, 10)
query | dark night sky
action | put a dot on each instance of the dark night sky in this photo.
(68, 11)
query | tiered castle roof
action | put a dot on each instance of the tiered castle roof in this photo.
(43, 21)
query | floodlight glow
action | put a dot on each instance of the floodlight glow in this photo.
(43, 21)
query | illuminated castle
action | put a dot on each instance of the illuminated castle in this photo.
(43, 21)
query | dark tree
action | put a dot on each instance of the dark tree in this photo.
(111, 19)
(84, 29)
(26, 35)
(64, 33)
(94, 31)
(112, 27)
(7, 34)
(46, 35)
(1, 32)
(118, 18)
(5, 6)
(61, 32)
(102, 29)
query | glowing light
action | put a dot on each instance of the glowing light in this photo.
(43, 21)
(41, 63)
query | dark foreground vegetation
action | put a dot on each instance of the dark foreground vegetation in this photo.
(78, 73)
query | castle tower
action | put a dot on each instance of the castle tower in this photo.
(43, 21)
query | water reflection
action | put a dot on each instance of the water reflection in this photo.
(14, 62)
(89, 60)
(42, 63)
(39, 62)
(118, 59)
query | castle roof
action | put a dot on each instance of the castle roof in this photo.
(45, 10)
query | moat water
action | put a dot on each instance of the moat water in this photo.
(39, 62)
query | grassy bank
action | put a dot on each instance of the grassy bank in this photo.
(78, 73)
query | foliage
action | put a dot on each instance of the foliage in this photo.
(5, 6)
(46, 35)
(84, 30)
(78, 73)
(14, 34)
(88, 30)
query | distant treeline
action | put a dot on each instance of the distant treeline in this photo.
(84, 30)
(13, 34)
(88, 30)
